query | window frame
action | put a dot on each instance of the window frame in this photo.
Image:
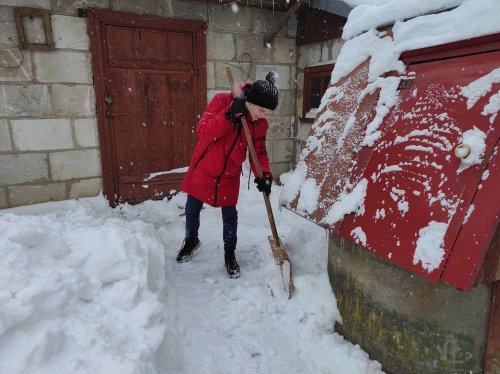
(310, 73)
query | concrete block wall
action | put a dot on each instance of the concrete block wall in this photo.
(321, 53)
(48, 132)
(403, 321)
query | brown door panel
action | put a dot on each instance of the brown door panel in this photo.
(148, 73)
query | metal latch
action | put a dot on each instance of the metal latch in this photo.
(110, 115)
(108, 98)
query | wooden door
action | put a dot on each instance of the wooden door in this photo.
(150, 81)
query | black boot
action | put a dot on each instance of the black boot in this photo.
(189, 247)
(232, 267)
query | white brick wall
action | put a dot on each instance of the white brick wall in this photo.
(63, 67)
(84, 188)
(285, 50)
(86, 132)
(11, 57)
(210, 75)
(7, 26)
(24, 195)
(24, 100)
(74, 164)
(220, 46)
(3, 199)
(70, 32)
(42, 134)
(23, 168)
(73, 100)
(221, 79)
(5, 144)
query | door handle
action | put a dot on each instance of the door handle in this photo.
(108, 99)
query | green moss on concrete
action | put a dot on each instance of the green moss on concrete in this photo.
(403, 346)
(404, 322)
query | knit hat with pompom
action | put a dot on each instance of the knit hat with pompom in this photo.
(264, 93)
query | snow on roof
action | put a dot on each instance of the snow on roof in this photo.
(424, 31)
(366, 16)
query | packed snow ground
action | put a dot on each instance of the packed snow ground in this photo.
(89, 289)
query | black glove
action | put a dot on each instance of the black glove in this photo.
(264, 184)
(237, 109)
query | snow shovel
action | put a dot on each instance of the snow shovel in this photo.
(277, 248)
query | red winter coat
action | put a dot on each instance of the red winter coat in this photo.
(214, 171)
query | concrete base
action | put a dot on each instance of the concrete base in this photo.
(403, 321)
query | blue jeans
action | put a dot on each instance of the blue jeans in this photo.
(229, 222)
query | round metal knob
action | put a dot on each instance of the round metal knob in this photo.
(462, 151)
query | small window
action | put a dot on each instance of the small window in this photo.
(316, 81)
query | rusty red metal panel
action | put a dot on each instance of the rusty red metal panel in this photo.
(414, 184)
(476, 234)
(331, 160)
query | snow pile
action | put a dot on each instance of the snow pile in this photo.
(79, 293)
(347, 202)
(293, 182)
(89, 289)
(373, 44)
(429, 249)
(309, 195)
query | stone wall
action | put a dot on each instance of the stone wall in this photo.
(403, 321)
(48, 132)
(48, 142)
(321, 53)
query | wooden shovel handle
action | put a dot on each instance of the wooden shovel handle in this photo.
(256, 165)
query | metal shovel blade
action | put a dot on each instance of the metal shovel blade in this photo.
(282, 260)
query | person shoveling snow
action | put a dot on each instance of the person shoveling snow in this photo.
(214, 171)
